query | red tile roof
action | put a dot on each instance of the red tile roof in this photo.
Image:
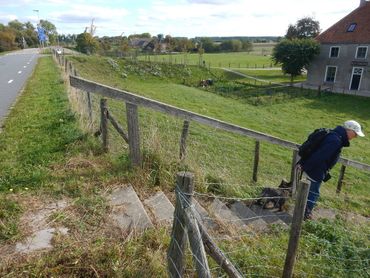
(338, 32)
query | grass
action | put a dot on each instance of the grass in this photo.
(275, 76)
(233, 59)
(228, 157)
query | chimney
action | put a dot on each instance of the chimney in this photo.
(362, 3)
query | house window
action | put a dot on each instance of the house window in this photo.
(361, 52)
(330, 74)
(334, 52)
(352, 27)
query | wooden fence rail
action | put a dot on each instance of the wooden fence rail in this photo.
(109, 92)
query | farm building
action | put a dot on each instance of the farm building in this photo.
(344, 61)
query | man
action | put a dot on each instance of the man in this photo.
(316, 167)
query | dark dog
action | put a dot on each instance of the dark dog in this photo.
(275, 197)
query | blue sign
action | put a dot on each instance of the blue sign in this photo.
(41, 34)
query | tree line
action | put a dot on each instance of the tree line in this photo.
(18, 35)
(87, 43)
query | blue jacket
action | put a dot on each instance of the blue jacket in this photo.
(327, 155)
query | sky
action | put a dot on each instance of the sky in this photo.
(178, 18)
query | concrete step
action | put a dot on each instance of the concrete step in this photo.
(127, 210)
(248, 216)
(161, 208)
(225, 215)
(284, 216)
(268, 216)
(207, 221)
(319, 213)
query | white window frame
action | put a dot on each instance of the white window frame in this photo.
(359, 84)
(365, 52)
(326, 73)
(332, 48)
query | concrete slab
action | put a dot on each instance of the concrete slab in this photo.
(39, 240)
(127, 210)
(161, 208)
(248, 216)
(225, 215)
(268, 216)
(207, 221)
(319, 213)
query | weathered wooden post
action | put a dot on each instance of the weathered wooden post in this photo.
(293, 172)
(184, 135)
(176, 250)
(196, 245)
(340, 180)
(256, 160)
(89, 107)
(104, 123)
(133, 133)
(296, 227)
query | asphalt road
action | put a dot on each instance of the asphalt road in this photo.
(15, 69)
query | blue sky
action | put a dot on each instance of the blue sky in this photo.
(188, 18)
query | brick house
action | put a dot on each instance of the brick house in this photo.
(344, 61)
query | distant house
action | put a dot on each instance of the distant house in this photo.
(344, 61)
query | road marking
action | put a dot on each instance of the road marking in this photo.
(24, 66)
(19, 72)
(10, 81)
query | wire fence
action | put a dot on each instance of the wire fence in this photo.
(231, 164)
(251, 256)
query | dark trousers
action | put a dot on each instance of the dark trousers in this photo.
(313, 195)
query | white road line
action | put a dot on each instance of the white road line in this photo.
(10, 81)
(24, 66)
(19, 72)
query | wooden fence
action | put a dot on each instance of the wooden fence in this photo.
(133, 102)
(187, 224)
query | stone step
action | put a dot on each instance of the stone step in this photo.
(285, 217)
(127, 209)
(207, 221)
(319, 213)
(248, 216)
(161, 208)
(225, 215)
(268, 216)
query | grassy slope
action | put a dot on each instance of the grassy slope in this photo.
(44, 156)
(275, 119)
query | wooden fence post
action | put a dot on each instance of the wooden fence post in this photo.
(293, 173)
(340, 180)
(256, 160)
(133, 133)
(319, 91)
(196, 245)
(184, 135)
(295, 229)
(104, 123)
(176, 250)
(89, 107)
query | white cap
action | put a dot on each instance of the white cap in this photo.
(355, 126)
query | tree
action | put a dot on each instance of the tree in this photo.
(86, 43)
(306, 27)
(247, 46)
(295, 55)
(7, 40)
(50, 30)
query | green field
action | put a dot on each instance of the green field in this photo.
(233, 59)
